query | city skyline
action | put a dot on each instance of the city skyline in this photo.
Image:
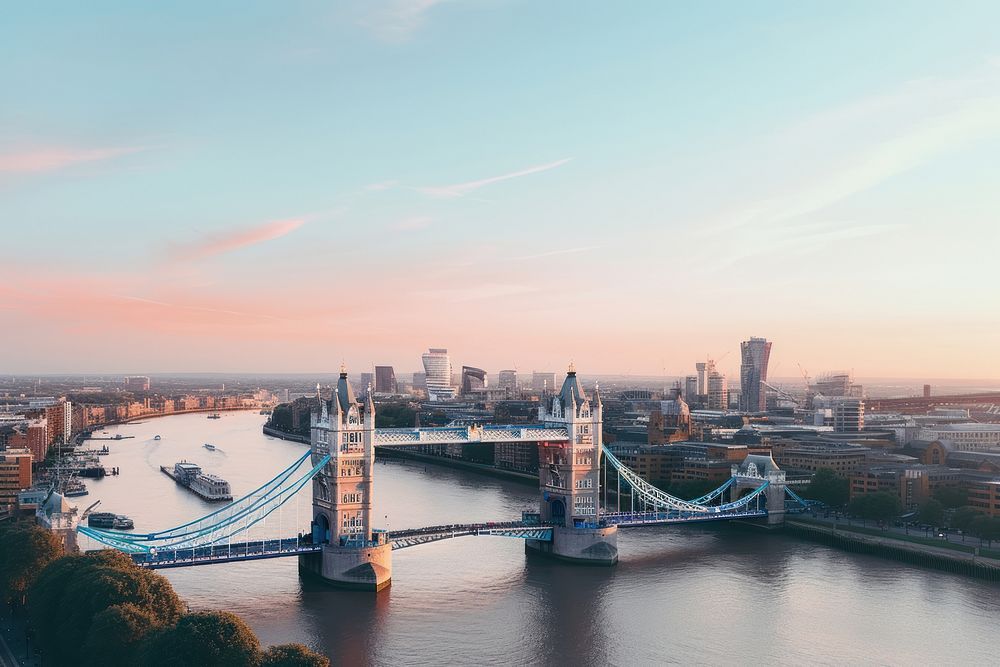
(203, 192)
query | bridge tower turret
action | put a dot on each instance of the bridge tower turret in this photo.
(569, 478)
(353, 554)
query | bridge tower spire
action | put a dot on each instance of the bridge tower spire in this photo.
(354, 554)
(570, 478)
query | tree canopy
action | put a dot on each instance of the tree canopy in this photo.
(95, 608)
(217, 638)
(985, 528)
(963, 516)
(931, 512)
(952, 496)
(829, 489)
(879, 506)
(25, 549)
(292, 655)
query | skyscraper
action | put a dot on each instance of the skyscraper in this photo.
(753, 371)
(507, 380)
(385, 380)
(690, 387)
(473, 379)
(437, 366)
(718, 391)
(702, 368)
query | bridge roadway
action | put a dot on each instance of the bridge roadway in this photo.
(294, 546)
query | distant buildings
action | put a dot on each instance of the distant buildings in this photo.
(702, 369)
(691, 388)
(718, 390)
(964, 437)
(473, 379)
(136, 382)
(753, 372)
(15, 475)
(437, 367)
(507, 380)
(543, 381)
(385, 380)
(848, 415)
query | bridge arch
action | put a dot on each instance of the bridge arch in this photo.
(321, 529)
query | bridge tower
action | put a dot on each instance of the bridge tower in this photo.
(353, 555)
(754, 471)
(569, 479)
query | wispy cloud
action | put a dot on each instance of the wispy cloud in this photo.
(477, 292)
(379, 187)
(412, 224)
(53, 158)
(396, 20)
(553, 253)
(217, 244)
(462, 189)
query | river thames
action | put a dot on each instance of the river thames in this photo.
(689, 594)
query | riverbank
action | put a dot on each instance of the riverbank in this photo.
(958, 560)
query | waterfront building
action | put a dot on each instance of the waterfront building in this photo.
(385, 380)
(33, 436)
(985, 496)
(136, 382)
(718, 391)
(844, 459)
(516, 456)
(755, 354)
(968, 437)
(473, 379)
(15, 475)
(437, 367)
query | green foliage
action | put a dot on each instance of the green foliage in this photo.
(951, 496)
(79, 604)
(829, 489)
(25, 549)
(293, 655)
(931, 512)
(964, 516)
(396, 414)
(879, 506)
(985, 528)
(217, 638)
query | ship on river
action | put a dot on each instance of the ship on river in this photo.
(206, 486)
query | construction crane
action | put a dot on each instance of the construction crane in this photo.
(805, 375)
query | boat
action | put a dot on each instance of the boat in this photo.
(110, 520)
(156, 437)
(73, 488)
(209, 447)
(208, 487)
(215, 415)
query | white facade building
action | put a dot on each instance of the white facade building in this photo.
(964, 437)
(437, 367)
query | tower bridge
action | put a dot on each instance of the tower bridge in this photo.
(343, 546)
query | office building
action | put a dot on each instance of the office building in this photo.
(543, 381)
(15, 475)
(507, 380)
(702, 375)
(848, 415)
(964, 437)
(691, 387)
(473, 379)
(753, 373)
(437, 367)
(385, 380)
(137, 382)
(718, 391)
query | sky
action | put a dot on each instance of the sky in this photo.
(280, 187)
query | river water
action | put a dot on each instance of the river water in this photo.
(688, 595)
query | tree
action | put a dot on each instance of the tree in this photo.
(217, 638)
(964, 516)
(985, 528)
(25, 549)
(951, 496)
(80, 603)
(829, 489)
(292, 655)
(931, 512)
(879, 506)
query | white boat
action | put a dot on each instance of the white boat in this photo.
(209, 447)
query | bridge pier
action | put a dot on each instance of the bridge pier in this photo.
(359, 568)
(583, 546)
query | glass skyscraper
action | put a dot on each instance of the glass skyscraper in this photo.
(437, 366)
(753, 371)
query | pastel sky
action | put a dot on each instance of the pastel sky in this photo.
(240, 186)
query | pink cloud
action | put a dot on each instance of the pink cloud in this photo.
(217, 244)
(50, 159)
